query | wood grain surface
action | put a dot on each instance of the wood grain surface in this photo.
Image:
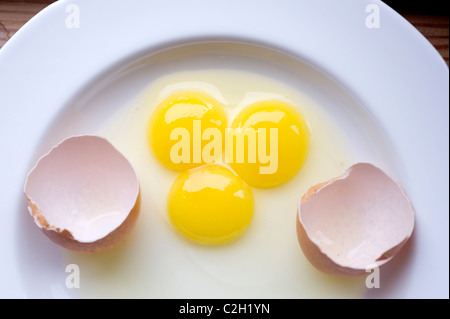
(14, 14)
(434, 28)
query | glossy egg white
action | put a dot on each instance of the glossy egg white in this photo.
(266, 260)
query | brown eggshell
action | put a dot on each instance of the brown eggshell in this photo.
(354, 222)
(84, 195)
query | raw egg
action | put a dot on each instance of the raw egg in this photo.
(266, 254)
(210, 204)
(272, 143)
(178, 129)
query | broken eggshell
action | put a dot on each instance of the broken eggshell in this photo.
(355, 222)
(84, 194)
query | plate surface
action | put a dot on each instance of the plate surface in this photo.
(390, 79)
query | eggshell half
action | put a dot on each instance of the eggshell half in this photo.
(355, 222)
(84, 194)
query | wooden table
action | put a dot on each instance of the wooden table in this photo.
(14, 14)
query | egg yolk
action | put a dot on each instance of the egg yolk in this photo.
(177, 126)
(210, 204)
(280, 143)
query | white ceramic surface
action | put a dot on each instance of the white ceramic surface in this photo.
(392, 72)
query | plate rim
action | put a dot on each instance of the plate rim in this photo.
(42, 21)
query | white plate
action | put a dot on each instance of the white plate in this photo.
(387, 79)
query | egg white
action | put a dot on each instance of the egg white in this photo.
(266, 261)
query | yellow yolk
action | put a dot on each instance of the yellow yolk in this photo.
(281, 143)
(175, 130)
(210, 204)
